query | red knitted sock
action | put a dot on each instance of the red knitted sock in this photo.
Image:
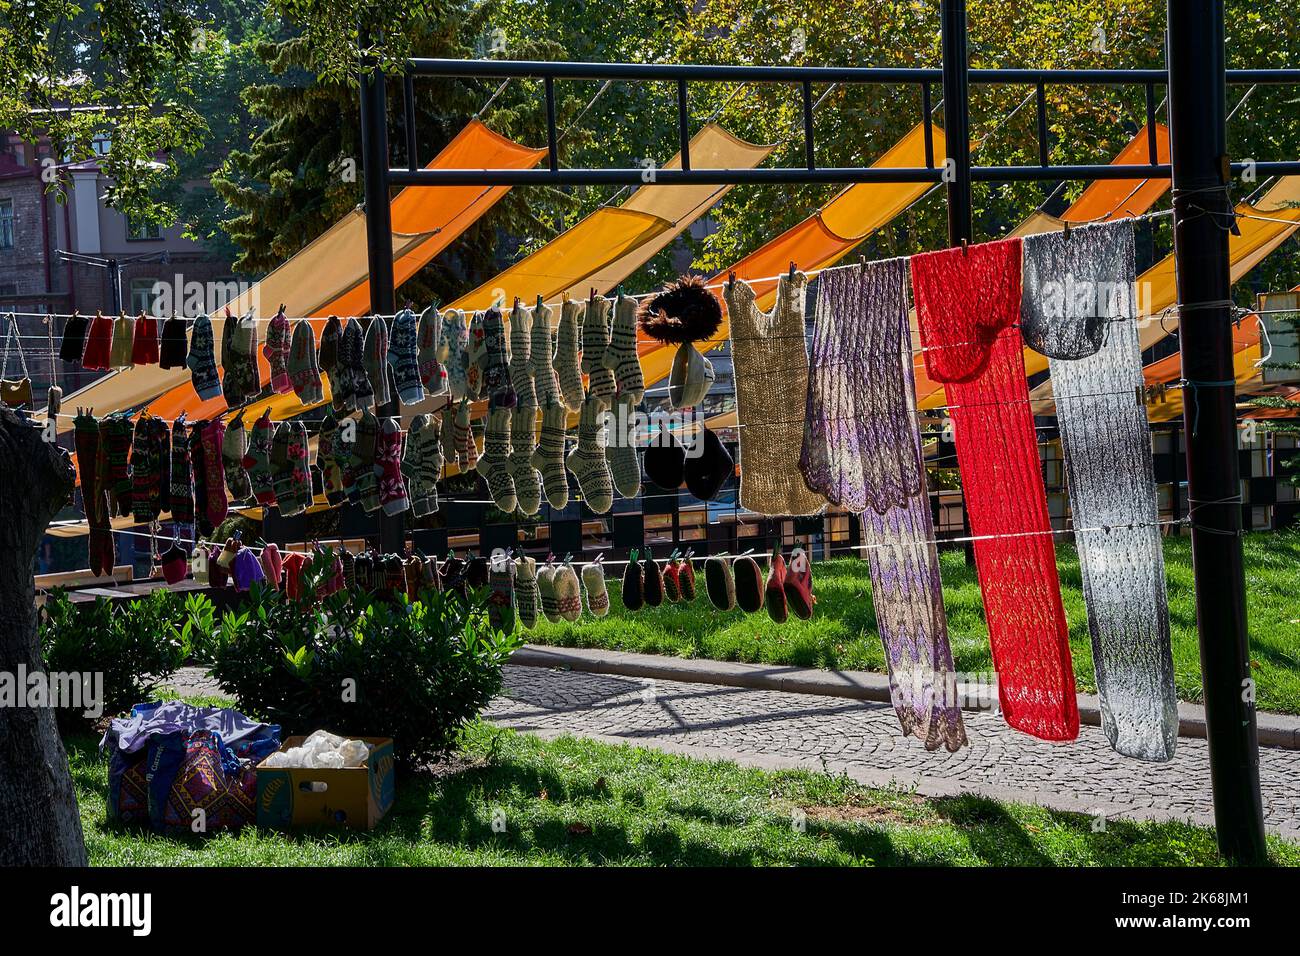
(214, 467)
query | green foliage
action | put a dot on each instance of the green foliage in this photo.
(135, 645)
(363, 666)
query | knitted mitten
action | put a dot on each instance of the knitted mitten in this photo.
(527, 597)
(567, 368)
(541, 358)
(621, 451)
(258, 460)
(494, 465)
(497, 384)
(593, 579)
(422, 464)
(144, 350)
(123, 342)
(595, 342)
(180, 491)
(548, 457)
(501, 603)
(404, 357)
(454, 351)
(173, 346)
(428, 343)
(546, 592)
(304, 373)
(621, 357)
(376, 361)
(466, 449)
(568, 592)
(329, 460)
(203, 367)
(234, 449)
(388, 468)
(364, 456)
(214, 468)
(587, 461)
(276, 350)
(521, 376)
(476, 357)
(272, 565)
(528, 480)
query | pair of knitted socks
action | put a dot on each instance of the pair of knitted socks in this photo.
(422, 463)
(404, 357)
(302, 368)
(494, 464)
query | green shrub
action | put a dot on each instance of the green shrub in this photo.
(135, 645)
(363, 666)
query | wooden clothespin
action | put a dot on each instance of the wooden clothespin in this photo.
(1067, 229)
(964, 247)
(731, 279)
(792, 269)
(541, 302)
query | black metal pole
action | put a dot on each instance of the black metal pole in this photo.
(114, 286)
(379, 242)
(1202, 212)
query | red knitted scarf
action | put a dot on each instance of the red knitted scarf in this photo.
(967, 304)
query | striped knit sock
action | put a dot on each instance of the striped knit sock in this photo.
(566, 355)
(466, 449)
(541, 356)
(523, 439)
(595, 342)
(621, 450)
(587, 461)
(527, 598)
(546, 592)
(521, 376)
(447, 435)
(494, 465)
(548, 458)
(497, 384)
(620, 356)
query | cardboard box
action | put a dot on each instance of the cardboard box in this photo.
(356, 797)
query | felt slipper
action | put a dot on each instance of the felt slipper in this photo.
(664, 460)
(546, 591)
(686, 577)
(708, 467)
(633, 584)
(654, 581)
(568, 592)
(672, 589)
(719, 583)
(593, 579)
(749, 584)
(777, 607)
(798, 584)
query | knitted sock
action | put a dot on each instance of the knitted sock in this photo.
(145, 470)
(521, 376)
(546, 592)
(329, 459)
(593, 579)
(180, 490)
(413, 569)
(475, 357)
(497, 384)
(422, 464)
(388, 465)
(453, 350)
(86, 431)
(364, 453)
(527, 479)
(277, 348)
(215, 471)
(587, 461)
(203, 367)
(541, 357)
(199, 465)
(494, 465)
(115, 435)
(289, 468)
(349, 562)
(595, 342)
(304, 373)
(568, 592)
(376, 361)
(567, 368)
(466, 449)
(447, 435)
(234, 449)
(349, 374)
(404, 357)
(428, 344)
(501, 604)
(621, 450)
(527, 597)
(548, 457)
(258, 460)
(633, 591)
(328, 354)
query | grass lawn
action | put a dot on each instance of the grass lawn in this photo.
(842, 633)
(575, 802)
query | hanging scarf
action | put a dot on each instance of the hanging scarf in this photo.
(967, 303)
(1078, 310)
(862, 449)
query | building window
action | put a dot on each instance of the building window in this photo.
(142, 296)
(6, 223)
(142, 232)
(8, 290)
(100, 144)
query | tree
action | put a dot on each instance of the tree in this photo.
(39, 822)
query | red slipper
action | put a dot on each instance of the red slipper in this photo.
(672, 587)
(686, 578)
(777, 608)
(798, 584)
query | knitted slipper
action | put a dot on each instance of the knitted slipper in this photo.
(686, 577)
(501, 603)
(798, 584)
(778, 609)
(654, 581)
(749, 584)
(593, 579)
(546, 592)
(568, 592)
(633, 584)
(720, 584)
(527, 598)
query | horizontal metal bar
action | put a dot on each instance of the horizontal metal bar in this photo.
(718, 177)
(1269, 168)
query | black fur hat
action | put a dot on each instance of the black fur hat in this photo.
(684, 312)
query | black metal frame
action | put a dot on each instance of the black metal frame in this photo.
(1196, 80)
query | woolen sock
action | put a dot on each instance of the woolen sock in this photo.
(404, 357)
(568, 593)
(422, 464)
(521, 376)
(595, 342)
(241, 380)
(620, 355)
(258, 460)
(546, 592)
(528, 480)
(621, 451)
(279, 341)
(180, 490)
(720, 584)
(329, 458)
(115, 435)
(291, 479)
(494, 465)
(364, 454)
(501, 598)
(541, 358)
(447, 435)
(428, 343)
(234, 449)
(454, 351)
(199, 465)
(593, 580)
(350, 388)
(388, 466)
(587, 460)
(527, 598)
(376, 361)
(548, 458)
(475, 358)
(466, 448)
(633, 591)
(328, 354)
(214, 468)
(147, 453)
(567, 370)
(497, 384)
(203, 367)
(304, 373)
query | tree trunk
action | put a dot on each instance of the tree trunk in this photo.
(39, 822)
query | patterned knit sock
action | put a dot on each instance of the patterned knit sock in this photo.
(452, 350)
(521, 376)
(234, 449)
(376, 361)
(304, 373)
(404, 357)
(568, 592)
(501, 596)
(528, 480)
(476, 358)
(277, 348)
(593, 579)
(428, 343)
(350, 373)
(546, 592)
(527, 598)
(497, 384)
(621, 357)
(587, 461)
(144, 471)
(214, 465)
(115, 435)
(447, 435)
(466, 449)
(422, 464)
(289, 466)
(548, 458)
(567, 368)
(328, 458)
(541, 358)
(494, 465)
(388, 466)
(180, 492)
(621, 451)
(364, 451)
(258, 460)
(595, 342)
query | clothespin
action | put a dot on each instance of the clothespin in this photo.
(731, 279)
(1067, 230)
(540, 302)
(964, 247)
(792, 269)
